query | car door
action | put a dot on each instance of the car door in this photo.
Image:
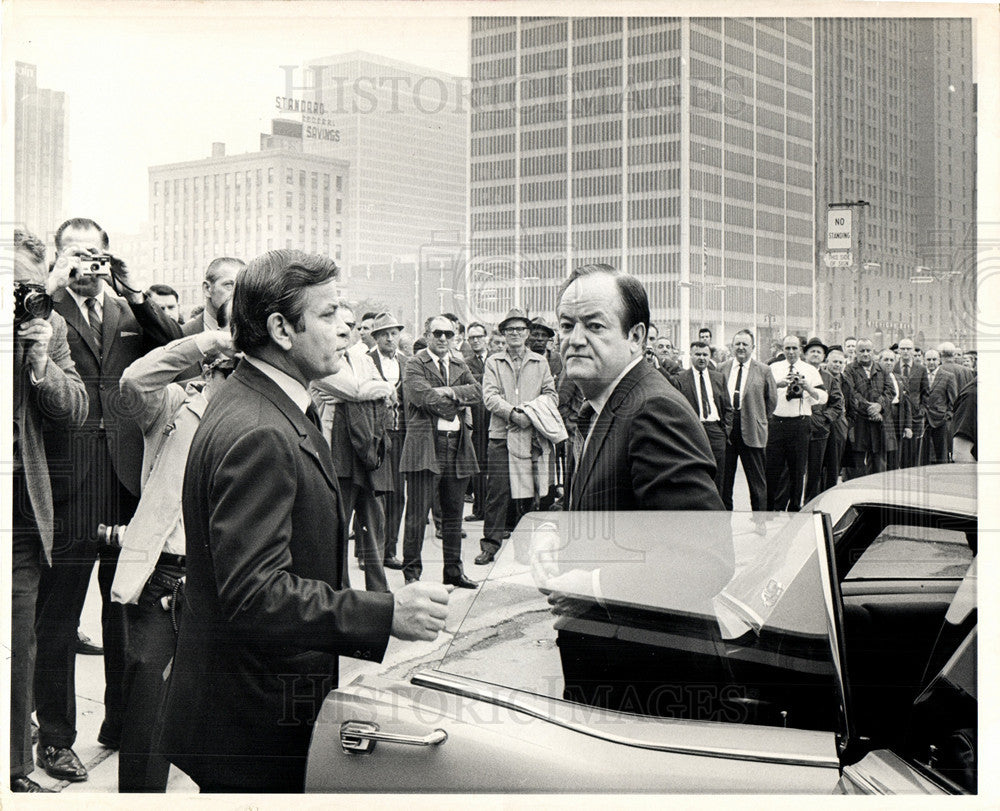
(668, 652)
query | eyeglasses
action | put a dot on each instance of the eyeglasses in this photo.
(516, 330)
(476, 337)
(443, 333)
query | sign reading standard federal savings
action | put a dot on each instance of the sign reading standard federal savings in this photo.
(838, 229)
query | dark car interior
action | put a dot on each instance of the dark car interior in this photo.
(897, 641)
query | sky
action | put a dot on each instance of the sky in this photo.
(151, 83)
(157, 82)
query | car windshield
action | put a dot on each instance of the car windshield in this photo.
(695, 615)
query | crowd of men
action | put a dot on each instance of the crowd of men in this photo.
(216, 471)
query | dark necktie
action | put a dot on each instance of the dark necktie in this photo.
(906, 371)
(313, 416)
(583, 420)
(444, 370)
(706, 409)
(736, 390)
(95, 320)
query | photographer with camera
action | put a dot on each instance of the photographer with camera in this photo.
(48, 393)
(95, 478)
(800, 387)
(150, 573)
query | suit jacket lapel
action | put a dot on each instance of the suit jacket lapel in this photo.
(109, 325)
(433, 368)
(258, 381)
(601, 428)
(65, 305)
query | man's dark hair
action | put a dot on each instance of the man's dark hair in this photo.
(419, 343)
(633, 304)
(486, 332)
(705, 329)
(26, 241)
(369, 316)
(163, 290)
(746, 332)
(700, 345)
(849, 338)
(212, 271)
(81, 224)
(274, 283)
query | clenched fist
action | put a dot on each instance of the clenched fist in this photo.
(419, 611)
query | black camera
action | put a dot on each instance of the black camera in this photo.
(31, 301)
(110, 534)
(794, 389)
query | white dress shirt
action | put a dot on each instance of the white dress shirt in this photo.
(801, 406)
(288, 384)
(731, 382)
(81, 301)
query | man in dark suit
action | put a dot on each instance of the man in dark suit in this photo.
(475, 358)
(754, 396)
(266, 611)
(95, 473)
(914, 379)
(220, 276)
(836, 360)
(437, 453)
(824, 417)
(389, 365)
(939, 406)
(705, 390)
(641, 448)
(47, 392)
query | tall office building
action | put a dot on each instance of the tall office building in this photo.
(40, 153)
(404, 130)
(896, 129)
(678, 149)
(243, 205)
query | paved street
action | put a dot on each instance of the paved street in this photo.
(401, 657)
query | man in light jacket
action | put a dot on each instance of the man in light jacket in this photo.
(510, 380)
(150, 571)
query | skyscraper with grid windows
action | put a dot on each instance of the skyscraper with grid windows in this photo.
(679, 149)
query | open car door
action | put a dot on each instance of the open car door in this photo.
(612, 652)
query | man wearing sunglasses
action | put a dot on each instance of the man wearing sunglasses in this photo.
(47, 390)
(438, 455)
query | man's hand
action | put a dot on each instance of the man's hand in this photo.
(36, 335)
(445, 391)
(544, 556)
(419, 611)
(874, 409)
(520, 419)
(216, 343)
(907, 433)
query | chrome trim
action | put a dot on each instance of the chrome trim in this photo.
(361, 736)
(530, 705)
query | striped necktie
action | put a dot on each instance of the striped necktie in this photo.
(95, 320)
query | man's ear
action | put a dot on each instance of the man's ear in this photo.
(280, 330)
(206, 287)
(637, 335)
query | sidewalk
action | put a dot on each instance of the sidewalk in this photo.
(102, 763)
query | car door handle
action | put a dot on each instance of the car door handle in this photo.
(357, 737)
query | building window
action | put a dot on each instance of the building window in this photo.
(340, 183)
(289, 175)
(339, 205)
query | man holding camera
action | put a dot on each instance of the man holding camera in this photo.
(48, 392)
(800, 387)
(94, 472)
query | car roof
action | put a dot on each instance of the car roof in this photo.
(949, 488)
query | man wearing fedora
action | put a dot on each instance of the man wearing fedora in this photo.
(511, 379)
(824, 417)
(539, 341)
(385, 355)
